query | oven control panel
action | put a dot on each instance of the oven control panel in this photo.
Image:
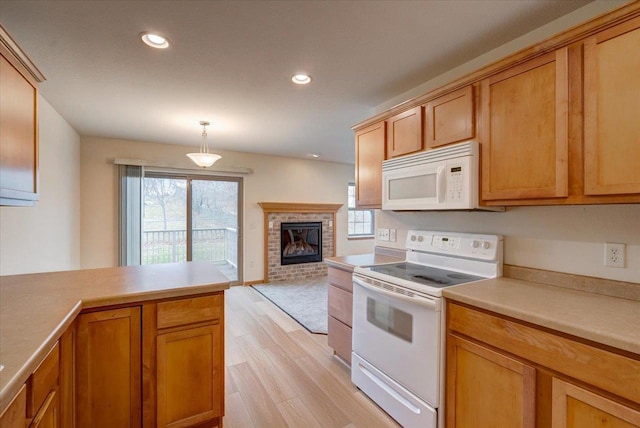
(470, 245)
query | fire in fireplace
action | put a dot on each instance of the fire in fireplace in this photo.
(300, 242)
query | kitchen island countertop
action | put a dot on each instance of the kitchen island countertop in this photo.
(35, 309)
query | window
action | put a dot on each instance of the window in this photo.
(360, 222)
(168, 218)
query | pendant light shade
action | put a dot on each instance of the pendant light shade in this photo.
(203, 158)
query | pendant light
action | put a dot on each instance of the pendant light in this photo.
(204, 159)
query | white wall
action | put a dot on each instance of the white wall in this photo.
(565, 239)
(275, 179)
(46, 237)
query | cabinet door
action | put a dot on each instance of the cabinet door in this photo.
(612, 110)
(487, 389)
(450, 118)
(524, 130)
(49, 415)
(108, 369)
(404, 133)
(190, 376)
(67, 378)
(574, 407)
(370, 152)
(18, 136)
(15, 415)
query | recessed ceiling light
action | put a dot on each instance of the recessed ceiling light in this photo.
(154, 40)
(301, 79)
(315, 155)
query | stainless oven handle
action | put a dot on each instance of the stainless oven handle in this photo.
(434, 305)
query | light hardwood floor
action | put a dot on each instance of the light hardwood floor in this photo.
(280, 375)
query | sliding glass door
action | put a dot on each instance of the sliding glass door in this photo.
(192, 218)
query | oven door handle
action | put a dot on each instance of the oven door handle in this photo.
(434, 305)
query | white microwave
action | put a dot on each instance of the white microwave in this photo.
(445, 178)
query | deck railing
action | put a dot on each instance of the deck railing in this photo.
(167, 246)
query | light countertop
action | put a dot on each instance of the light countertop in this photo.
(35, 309)
(351, 262)
(603, 319)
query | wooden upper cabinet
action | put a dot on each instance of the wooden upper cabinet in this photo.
(18, 125)
(404, 132)
(612, 110)
(370, 152)
(450, 118)
(524, 130)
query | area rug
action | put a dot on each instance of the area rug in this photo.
(304, 300)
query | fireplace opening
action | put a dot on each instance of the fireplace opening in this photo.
(300, 243)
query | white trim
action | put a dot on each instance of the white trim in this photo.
(150, 165)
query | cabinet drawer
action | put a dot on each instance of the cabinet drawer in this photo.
(43, 380)
(599, 367)
(341, 278)
(189, 311)
(340, 304)
(339, 338)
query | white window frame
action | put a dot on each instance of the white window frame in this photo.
(351, 208)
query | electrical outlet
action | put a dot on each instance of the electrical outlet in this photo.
(392, 235)
(383, 234)
(251, 264)
(614, 255)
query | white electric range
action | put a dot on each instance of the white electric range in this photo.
(398, 321)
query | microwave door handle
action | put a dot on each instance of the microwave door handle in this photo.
(422, 301)
(440, 184)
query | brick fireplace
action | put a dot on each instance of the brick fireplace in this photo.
(284, 232)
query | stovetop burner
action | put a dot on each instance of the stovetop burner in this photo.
(427, 275)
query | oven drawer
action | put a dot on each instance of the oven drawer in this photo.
(341, 305)
(400, 403)
(339, 338)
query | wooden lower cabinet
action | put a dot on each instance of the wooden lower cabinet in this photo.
(15, 415)
(49, 415)
(188, 361)
(340, 304)
(183, 362)
(108, 369)
(503, 373)
(488, 389)
(575, 407)
(67, 378)
(156, 365)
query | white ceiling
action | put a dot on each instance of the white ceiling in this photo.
(230, 62)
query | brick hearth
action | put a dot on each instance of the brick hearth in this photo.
(276, 213)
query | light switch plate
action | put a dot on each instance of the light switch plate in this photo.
(383, 234)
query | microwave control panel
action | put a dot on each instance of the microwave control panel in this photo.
(456, 183)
